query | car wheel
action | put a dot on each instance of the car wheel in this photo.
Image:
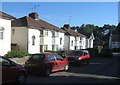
(87, 61)
(21, 78)
(47, 72)
(66, 67)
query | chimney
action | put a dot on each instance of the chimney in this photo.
(67, 26)
(34, 15)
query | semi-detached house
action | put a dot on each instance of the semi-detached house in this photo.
(73, 40)
(5, 33)
(34, 35)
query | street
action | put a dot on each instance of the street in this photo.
(100, 70)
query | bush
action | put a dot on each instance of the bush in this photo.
(50, 51)
(93, 52)
(16, 54)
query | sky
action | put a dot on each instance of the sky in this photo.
(60, 13)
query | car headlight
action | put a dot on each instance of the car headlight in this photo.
(79, 58)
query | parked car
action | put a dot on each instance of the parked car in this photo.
(106, 52)
(45, 63)
(11, 71)
(79, 57)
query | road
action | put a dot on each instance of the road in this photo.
(100, 70)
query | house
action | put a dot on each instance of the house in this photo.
(114, 40)
(89, 40)
(5, 33)
(26, 33)
(98, 41)
(73, 40)
(51, 38)
(34, 35)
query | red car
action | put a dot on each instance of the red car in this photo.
(11, 71)
(79, 56)
(46, 63)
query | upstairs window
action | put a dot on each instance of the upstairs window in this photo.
(72, 43)
(60, 41)
(1, 33)
(46, 33)
(33, 40)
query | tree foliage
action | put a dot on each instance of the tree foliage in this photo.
(103, 31)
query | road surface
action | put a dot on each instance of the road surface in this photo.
(100, 70)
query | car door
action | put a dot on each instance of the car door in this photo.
(9, 72)
(52, 62)
(60, 62)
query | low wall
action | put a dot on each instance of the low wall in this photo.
(20, 60)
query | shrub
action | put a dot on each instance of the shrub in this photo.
(14, 54)
(50, 51)
(93, 52)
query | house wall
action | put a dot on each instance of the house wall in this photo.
(5, 43)
(61, 46)
(48, 40)
(20, 37)
(66, 42)
(84, 43)
(110, 41)
(115, 44)
(36, 47)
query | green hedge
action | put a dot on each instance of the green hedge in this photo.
(14, 54)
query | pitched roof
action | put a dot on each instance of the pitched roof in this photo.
(6, 16)
(35, 24)
(25, 22)
(73, 33)
(49, 26)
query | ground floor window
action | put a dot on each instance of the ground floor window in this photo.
(45, 47)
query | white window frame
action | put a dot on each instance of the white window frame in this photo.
(1, 33)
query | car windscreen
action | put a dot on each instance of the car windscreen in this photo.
(75, 53)
(37, 57)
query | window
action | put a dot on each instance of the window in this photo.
(45, 47)
(72, 43)
(33, 40)
(1, 32)
(5, 62)
(60, 41)
(80, 38)
(58, 57)
(51, 57)
(53, 47)
(46, 33)
(37, 57)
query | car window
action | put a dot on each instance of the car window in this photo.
(37, 57)
(58, 57)
(5, 62)
(85, 53)
(51, 57)
(76, 53)
(0, 61)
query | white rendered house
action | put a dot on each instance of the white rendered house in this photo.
(34, 35)
(5, 33)
(74, 40)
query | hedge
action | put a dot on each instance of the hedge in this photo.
(16, 54)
